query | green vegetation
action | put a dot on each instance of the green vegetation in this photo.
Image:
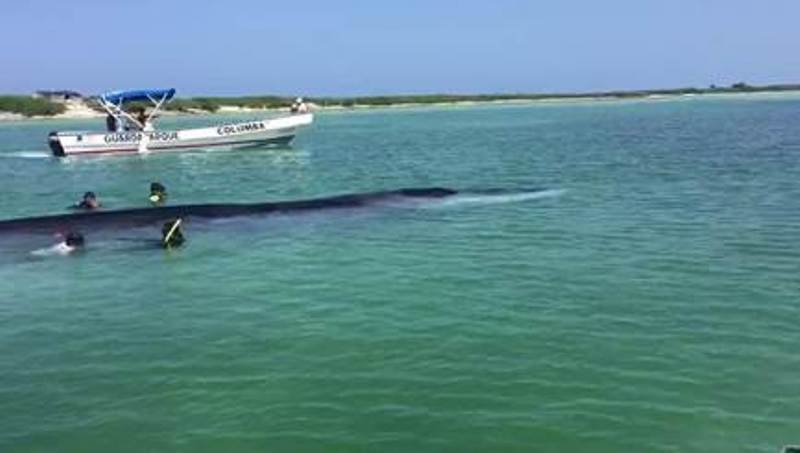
(212, 104)
(187, 105)
(29, 106)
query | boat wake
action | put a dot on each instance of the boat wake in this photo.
(26, 155)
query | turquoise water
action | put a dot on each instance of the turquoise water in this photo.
(646, 301)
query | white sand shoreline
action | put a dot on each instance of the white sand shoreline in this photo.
(80, 110)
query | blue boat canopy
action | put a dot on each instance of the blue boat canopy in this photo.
(118, 97)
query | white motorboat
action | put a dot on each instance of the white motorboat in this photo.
(127, 134)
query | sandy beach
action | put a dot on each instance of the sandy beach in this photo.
(80, 109)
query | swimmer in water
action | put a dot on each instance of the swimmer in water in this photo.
(158, 193)
(72, 242)
(171, 234)
(88, 203)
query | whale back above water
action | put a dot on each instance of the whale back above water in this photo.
(138, 217)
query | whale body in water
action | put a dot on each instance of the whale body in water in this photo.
(138, 217)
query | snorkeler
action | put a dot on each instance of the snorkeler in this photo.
(158, 193)
(89, 202)
(171, 234)
(72, 242)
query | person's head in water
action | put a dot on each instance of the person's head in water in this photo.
(71, 242)
(73, 239)
(158, 193)
(89, 201)
(171, 234)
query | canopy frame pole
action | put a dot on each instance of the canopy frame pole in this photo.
(130, 117)
(113, 104)
(118, 111)
(156, 105)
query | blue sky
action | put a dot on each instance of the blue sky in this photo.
(348, 47)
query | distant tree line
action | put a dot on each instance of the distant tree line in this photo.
(212, 104)
(29, 106)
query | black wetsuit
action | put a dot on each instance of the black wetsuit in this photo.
(176, 240)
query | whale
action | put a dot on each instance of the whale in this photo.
(88, 221)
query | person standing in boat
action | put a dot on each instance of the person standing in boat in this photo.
(117, 123)
(144, 120)
(299, 106)
(111, 123)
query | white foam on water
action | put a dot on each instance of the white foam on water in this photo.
(60, 249)
(489, 199)
(27, 155)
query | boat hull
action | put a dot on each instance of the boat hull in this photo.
(267, 132)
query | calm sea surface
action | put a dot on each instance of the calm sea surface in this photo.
(636, 288)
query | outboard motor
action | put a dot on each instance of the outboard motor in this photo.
(55, 144)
